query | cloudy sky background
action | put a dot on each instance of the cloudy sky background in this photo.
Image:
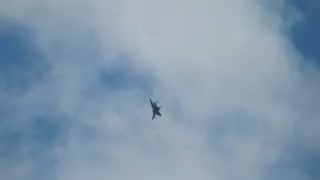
(238, 81)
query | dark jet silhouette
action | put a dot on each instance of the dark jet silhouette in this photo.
(155, 109)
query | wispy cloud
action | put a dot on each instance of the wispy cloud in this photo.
(223, 71)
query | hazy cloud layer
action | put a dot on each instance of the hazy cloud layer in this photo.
(224, 72)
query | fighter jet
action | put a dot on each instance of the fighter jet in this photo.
(155, 109)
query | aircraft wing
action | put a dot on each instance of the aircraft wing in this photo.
(153, 116)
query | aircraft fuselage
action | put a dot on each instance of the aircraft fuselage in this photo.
(155, 109)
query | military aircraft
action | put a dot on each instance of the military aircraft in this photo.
(155, 109)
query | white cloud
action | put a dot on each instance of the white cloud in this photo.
(215, 58)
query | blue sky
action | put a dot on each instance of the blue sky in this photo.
(305, 34)
(75, 78)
